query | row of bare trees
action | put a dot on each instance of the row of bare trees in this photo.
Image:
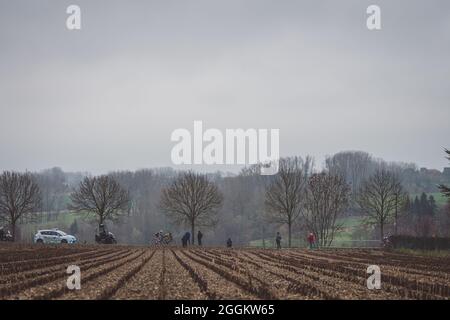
(190, 199)
(20, 198)
(295, 195)
(319, 199)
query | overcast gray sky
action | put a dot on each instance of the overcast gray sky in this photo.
(109, 96)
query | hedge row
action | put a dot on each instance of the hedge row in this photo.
(424, 243)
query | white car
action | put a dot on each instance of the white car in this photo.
(53, 236)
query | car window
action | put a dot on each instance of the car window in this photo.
(44, 233)
(62, 234)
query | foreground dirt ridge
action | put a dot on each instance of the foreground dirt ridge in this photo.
(123, 272)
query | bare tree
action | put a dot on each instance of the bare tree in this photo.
(377, 198)
(191, 199)
(285, 196)
(101, 195)
(19, 197)
(328, 198)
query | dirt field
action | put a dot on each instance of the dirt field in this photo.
(120, 272)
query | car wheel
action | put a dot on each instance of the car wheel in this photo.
(63, 241)
(39, 241)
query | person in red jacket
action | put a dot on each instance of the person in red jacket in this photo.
(311, 240)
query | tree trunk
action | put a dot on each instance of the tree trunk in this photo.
(289, 233)
(382, 230)
(193, 230)
(13, 231)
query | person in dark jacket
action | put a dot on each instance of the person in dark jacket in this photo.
(278, 240)
(186, 239)
(199, 237)
(229, 243)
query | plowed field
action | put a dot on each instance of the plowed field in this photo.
(122, 272)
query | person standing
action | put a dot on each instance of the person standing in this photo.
(311, 240)
(183, 241)
(278, 240)
(229, 243)
(199, 237)
(186, 239)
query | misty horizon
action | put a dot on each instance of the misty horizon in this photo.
(223, 169)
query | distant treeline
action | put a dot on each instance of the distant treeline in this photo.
(242, 215)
